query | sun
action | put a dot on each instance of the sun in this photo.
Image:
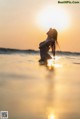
(53, 17)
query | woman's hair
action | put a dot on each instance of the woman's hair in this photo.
(52, 33)
(55, 33)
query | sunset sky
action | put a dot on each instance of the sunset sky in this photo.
(24, 23)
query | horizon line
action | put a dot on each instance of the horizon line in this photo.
(17, 49)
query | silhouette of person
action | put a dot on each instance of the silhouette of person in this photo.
(49, 43)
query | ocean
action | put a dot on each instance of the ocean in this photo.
(29, 90)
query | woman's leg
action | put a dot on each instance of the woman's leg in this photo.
(42, 54)
(48, 56)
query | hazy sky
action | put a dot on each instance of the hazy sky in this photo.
(19, 28)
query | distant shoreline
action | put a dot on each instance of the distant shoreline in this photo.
(13, 50)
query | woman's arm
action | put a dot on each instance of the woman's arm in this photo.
(53, 50)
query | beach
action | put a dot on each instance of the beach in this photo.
(29, 90)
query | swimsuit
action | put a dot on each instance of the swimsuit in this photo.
(44, 48)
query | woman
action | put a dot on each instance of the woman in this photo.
(45, 46)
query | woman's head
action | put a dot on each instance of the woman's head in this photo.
(52, 33)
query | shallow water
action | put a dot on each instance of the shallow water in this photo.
(31, 91)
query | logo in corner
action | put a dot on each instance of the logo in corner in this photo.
(3, 114)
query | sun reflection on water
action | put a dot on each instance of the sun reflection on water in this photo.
(51, 116)
(52, 64)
